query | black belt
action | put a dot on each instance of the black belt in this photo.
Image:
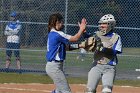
(56, 61)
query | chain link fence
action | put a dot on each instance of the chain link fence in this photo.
(33, 15)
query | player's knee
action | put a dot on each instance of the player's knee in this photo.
(89, 90)
(107, 90)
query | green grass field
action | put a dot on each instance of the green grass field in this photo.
(44, 79)
(130, 59)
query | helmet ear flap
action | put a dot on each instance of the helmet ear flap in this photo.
(112, 25)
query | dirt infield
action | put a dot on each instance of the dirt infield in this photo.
(47, 88)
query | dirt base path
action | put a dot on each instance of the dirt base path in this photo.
(47, 88)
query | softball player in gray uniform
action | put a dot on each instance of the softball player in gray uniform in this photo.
(106, 45)
(56, 51)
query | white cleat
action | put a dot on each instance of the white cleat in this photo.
(106, 90)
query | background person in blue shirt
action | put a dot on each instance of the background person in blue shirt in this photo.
(56, 50)
(12, 31)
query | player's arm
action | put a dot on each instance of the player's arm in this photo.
(71, 47)
(81, 45)
(7, 31)
(82, 27)
(86, 35)
(17, 30)
(108, 51)
(88, 44)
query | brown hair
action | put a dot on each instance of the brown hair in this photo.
(53, 19)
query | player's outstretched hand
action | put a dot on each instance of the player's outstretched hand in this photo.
(83, 25)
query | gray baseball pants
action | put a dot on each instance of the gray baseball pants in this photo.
(55, 71)
(105, 72)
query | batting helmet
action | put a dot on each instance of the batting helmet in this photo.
(13, 14)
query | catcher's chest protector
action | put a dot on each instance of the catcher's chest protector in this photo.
(108, 42)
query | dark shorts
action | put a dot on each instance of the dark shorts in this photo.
(13, 46)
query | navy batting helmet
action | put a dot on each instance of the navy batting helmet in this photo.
(13, 14)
